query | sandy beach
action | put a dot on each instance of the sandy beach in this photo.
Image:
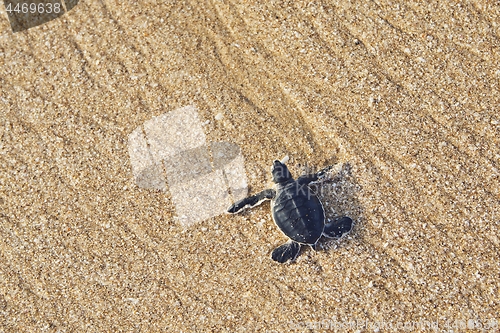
(403, 99)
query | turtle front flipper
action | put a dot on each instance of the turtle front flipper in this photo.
(309, 178)
(252, 201)
(338, 228)
(285, 252)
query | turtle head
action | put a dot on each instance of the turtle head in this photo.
(280, 172)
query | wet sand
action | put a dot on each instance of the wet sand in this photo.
(403, 98)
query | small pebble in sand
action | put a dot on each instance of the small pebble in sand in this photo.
(219, 116)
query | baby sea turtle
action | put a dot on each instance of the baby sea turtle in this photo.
(297, 211)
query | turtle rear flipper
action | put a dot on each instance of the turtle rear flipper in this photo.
(338, 228)
(252, 201)
(285, 252)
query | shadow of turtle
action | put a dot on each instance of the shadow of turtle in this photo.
(338, 192)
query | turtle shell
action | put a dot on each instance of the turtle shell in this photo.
(298, 212)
